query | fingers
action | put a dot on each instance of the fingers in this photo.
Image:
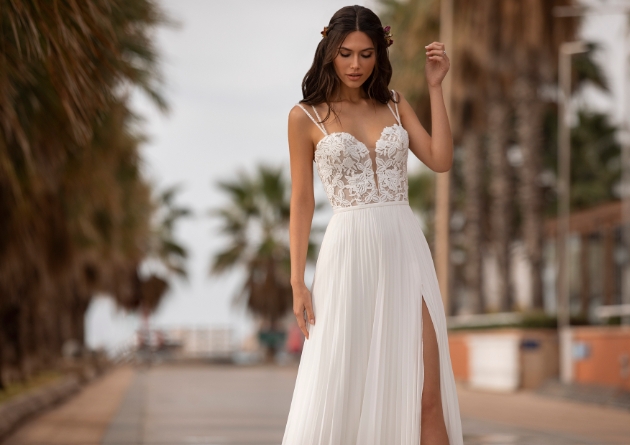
(435, 45)
(310, 316)
(299, 315)
(303, 309)
(435, 51)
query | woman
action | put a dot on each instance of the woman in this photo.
(375, 368)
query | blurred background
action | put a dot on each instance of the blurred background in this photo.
(144, 204)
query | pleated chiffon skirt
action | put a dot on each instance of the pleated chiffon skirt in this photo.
(361, 373)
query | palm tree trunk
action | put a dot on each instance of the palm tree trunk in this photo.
(77, 317)
(472, 171)
(500, 197)
(22, 350)
(528, 108)
(585, 274)
(3, 343)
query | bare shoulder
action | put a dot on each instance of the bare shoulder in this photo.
(404, 107)
(298, 117)
(400, 98)
(300, 125)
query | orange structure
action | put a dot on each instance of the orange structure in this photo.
(458, 348)
(606, 356)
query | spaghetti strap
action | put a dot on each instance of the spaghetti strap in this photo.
(319, 125)
(396, 114)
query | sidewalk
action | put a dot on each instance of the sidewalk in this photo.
(83, 419)
(533, 412)
(228, 405)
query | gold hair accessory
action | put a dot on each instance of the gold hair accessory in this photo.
(325, 31)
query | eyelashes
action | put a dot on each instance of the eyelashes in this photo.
(362, 55)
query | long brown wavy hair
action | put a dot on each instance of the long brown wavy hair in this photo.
(321, 80)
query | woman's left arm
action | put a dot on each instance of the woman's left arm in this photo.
(435, 151)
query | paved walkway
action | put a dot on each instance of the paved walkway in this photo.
(204, 405)
(83, 419)
(530, 412)
(224, 405)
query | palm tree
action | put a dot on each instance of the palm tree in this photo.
(506, 54)
(75, 206)
(501, 207)
(416, 24)
(164, 256)
(163, 245)
(536, 66)
(595, 170)
(255, 221)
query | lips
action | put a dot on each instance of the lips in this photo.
(354, 76)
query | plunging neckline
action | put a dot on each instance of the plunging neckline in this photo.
(362, 144)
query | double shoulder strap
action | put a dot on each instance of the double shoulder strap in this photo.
(320, 125)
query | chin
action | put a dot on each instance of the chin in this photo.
(357, 84)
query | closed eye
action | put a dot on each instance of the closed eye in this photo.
(365, 56)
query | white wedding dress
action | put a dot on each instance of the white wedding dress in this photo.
(361, 373)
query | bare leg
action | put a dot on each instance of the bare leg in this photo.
(433, 429)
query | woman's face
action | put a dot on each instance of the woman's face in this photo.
(355, 60)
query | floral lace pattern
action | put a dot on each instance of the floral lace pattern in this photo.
(345, 168)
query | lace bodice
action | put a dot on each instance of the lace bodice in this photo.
(347, 172)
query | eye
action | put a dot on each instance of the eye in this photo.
(367, 56)
(344, 54)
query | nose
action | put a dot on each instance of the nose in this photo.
(355, 61)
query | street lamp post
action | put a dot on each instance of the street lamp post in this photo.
(567, 49)
(564, 150)
(625, 183)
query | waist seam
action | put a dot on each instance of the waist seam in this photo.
(374, 204)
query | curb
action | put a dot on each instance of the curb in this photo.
(16, 411)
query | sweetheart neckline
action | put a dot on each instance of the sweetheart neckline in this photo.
(360, 142)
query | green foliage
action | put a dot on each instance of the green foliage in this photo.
(422, 197)
(595, 161)
(163, 245)
(20, 388)
(255, 222)
(414, 25)
(76, 208)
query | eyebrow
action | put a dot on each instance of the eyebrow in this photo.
(366, 49)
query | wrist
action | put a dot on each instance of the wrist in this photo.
(436, 88)
(297, 283)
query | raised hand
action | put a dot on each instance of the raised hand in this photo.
(437, 64)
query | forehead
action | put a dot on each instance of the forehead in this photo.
(357, 41)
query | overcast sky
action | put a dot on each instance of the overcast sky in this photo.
(233, 70)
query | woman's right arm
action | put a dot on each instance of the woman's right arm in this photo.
(301, 151)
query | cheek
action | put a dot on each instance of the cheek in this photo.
(368, 64)
(340, 63)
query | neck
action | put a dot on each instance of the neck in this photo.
(347, 94)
